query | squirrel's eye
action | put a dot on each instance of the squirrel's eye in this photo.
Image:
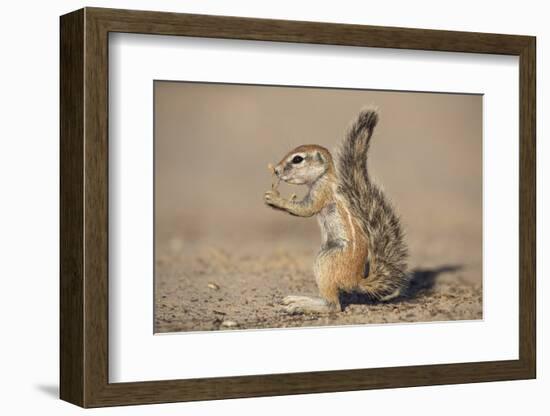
(297, 159)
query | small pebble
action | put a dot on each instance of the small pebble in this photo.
(213, 286)
(230, 324)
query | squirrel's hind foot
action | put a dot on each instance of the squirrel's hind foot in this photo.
(295, 305)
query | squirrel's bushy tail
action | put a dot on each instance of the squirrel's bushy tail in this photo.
(387, 252)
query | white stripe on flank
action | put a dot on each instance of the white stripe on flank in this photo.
(342, 203)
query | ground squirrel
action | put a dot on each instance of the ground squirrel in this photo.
(362, 240)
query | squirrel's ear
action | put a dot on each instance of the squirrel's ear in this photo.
(319, 157)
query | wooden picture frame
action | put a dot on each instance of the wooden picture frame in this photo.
(84, 207)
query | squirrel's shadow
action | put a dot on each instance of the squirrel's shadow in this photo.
(422, 281)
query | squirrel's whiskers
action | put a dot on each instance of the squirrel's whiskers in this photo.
(275, 181)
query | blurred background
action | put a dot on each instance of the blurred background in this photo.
(213, 143)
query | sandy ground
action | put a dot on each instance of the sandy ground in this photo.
(217, 289)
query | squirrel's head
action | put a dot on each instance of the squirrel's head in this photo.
(304, 165)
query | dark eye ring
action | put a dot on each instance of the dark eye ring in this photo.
(297, 159)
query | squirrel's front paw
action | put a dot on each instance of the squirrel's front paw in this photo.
(273, 198)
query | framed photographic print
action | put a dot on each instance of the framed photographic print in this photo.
(255, 207)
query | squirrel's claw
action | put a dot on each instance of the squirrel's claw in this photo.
(295, 305)
(272, 198)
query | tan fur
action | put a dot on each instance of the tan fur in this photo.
(353, 217)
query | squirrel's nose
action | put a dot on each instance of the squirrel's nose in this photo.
(277, 171)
